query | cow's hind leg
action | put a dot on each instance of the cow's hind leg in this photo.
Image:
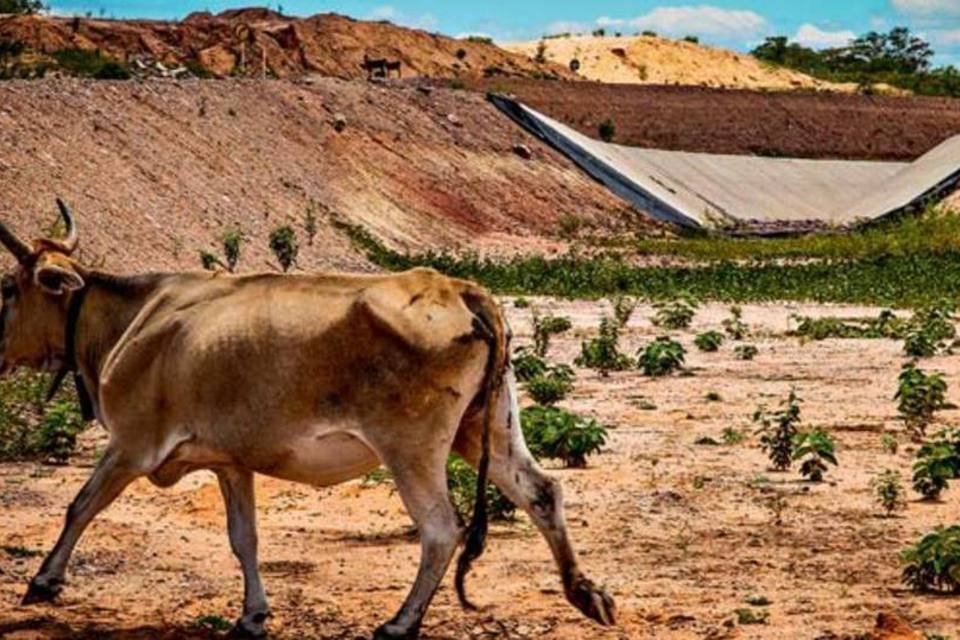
(112, 475)
(238, 496)
(514, 470)
(421, 479)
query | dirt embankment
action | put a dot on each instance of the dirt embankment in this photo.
(655, 60)
(255, 41)
(158, 169)
(804, 125)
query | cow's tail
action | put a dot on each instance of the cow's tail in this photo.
(489, 326)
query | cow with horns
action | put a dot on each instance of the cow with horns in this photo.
(311, 378)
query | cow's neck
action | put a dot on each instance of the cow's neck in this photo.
(110, 304)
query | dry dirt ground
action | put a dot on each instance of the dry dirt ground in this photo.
(681, 534)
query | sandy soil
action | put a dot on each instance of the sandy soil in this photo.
(682, 534)
(656, 60)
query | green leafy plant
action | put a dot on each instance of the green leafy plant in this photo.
(561, 435)
(709, 341)
(936, 464)
(661, 357)
(544, 327)
(521, 303)
(623, 308)
(29, 428)
(752, 616)
(885, 325)
(889, 443)
(232, 248)
(888, 489)
(551, 386)
(746, 352)
(815, 448)
(209, 260)
(602, 353)
(59, 427)
(283, 243)
(929, 330)
(217, 624)
(732, 436)
(919, 397)
(933, 564)
(778, 430)
(735, 327)
(675, 314)
(462, 485)
(527, 365)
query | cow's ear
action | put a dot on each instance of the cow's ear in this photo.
(58, 279)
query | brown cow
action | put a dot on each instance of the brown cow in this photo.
(312, 378)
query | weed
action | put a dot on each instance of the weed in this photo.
(732, 436)
(712, 396)
(543, 328)
(623, 308)
(709, 341)
(929, 331)
(746, 352)
(209, 260)
(675, 314)
(521, 303)
(661, 357)
(310, 223)
(602, 353)
(527, 365)
(751, 616)
(885, 325)
(214, 623)
(551, 386)
(283, 243)
(936, 464)
(889, 443)
(734, 325)
(778, 430)
(933, 564)
(888, 488)
(561, 435)
(462, 485)
(920, 396)
(28, 429)
(816, 448)
(232, 247)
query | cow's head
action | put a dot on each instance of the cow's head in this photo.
(36, 294)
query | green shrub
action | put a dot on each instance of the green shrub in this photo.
(936, 464)
(885, 325)
(920, 396)
(933, 564)
(232, 248)
(543, 328)
(29, 430)
(521, 303)
(815, 448)
(283, 243)
(734, 325)
(888, 488)
(712, 396)
(675, 314)
(661, 357)
(746, 352)
(209, 260)
(889, 443)
(551, 386)
(929, 330)
(527, 365)
(623, 308)
(603, 353)
(90, 64)
(778, 430)
(561, 435)
(732, 436)
(59, 427)
(462, 484)
(709, 341)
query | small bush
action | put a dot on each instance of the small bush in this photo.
(930, 330)
(283, 243)
(29, 430)
(889, 443)
(217, 624)
(691, 39)
(59, 427)
(933, 564)
(521, 303)
(661, 357)
(675, 314)
(712, 396)
(462, 484)
(561, 435)
(888, 488)
(603, 353)
(607, 130)
(936, 464)
(527, 365)
(732, 436)
(920, 396)
(551, 386)
(746, 352)
(232, 248)
(623, 308)
(778, 430)
(734, 325)
(543, 328)
(90, 64)
(815, 448)
(209, 260)
(709, 341)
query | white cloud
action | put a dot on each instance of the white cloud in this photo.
(703, 20)
(928, 8)
(566, 26)
(426, 21)
(812, 36)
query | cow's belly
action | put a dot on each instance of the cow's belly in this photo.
(323, 461)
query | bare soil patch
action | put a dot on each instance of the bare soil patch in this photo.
(682, 534)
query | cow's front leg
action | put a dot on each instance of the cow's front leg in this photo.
(112, 475)
(238, 495)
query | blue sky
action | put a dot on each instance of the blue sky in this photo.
(739, 24)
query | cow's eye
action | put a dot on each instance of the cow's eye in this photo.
(8, 287)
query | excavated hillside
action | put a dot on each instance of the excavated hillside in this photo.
(257, 41)
(157, 170)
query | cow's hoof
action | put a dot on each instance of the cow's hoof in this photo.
(250, 627)
(391, 631)
(42, 591)
(593, 601)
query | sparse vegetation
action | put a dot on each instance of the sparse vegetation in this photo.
(735, 327)
(815, 449)
(778, 431)
(885, 325)
(283, 243)
(607, 130)
(462, 484)
(930, 330)
(232, 248)
(935, 466)
(732, 436)
(558, 434)
(661, 357)
(603, 353)
(746, 352)
(920, 396)
(709, 341)
(675, 314)
(889, 443)
(933, 564)
(551, 386)
(888, 488)
(544, 327)
(310, 224)
(623, 308)
(30, 430)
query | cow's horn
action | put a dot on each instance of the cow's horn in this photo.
(20, 249)
(70, 242)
